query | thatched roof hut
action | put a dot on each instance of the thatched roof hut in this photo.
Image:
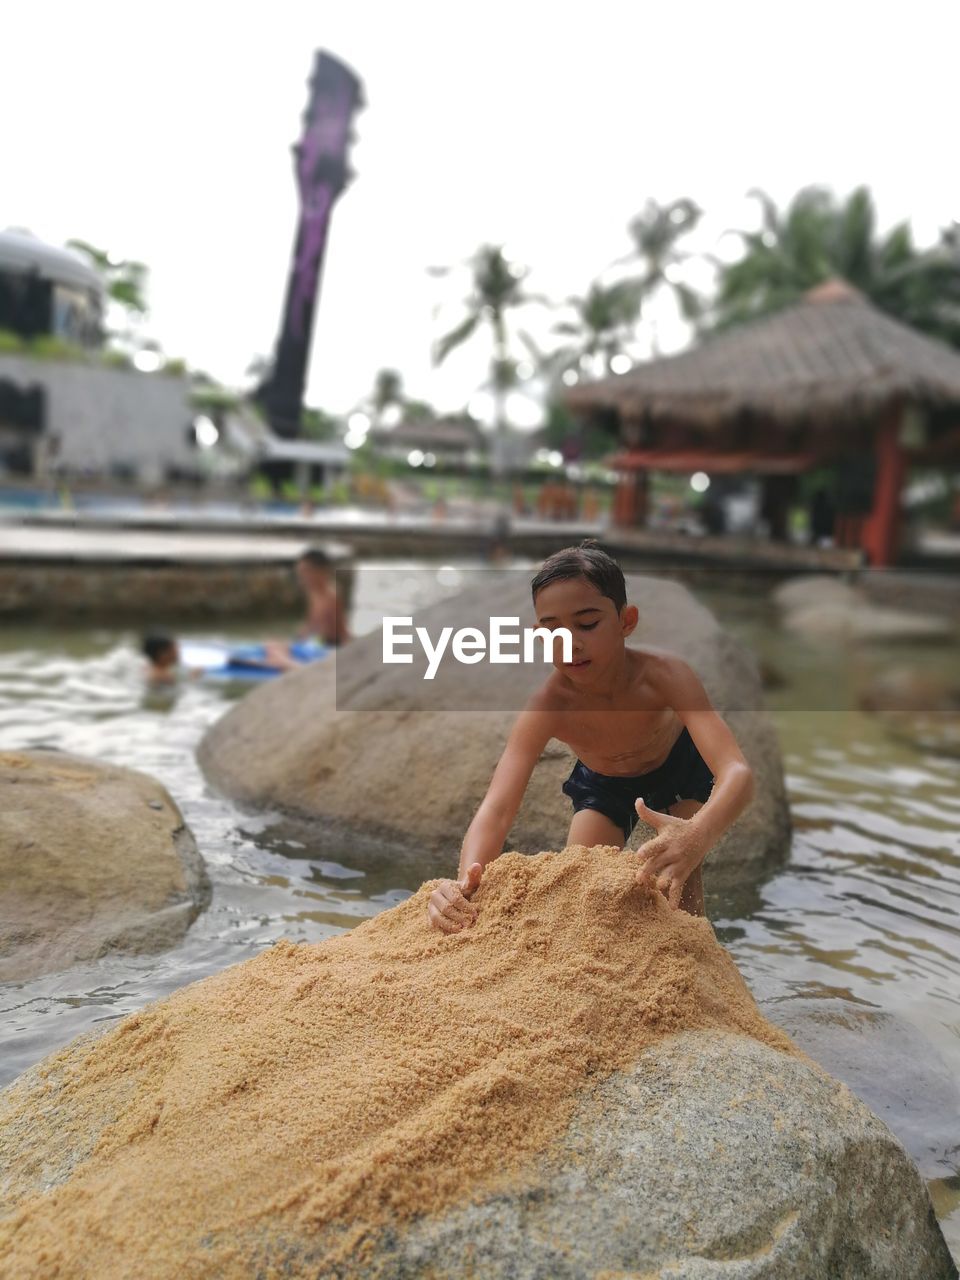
(829, 379)
(832, 357)
(449, 437)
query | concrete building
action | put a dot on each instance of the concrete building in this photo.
(48, 291)
(77, 418)
(63, 409)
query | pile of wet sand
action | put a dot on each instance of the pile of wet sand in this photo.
(350, 1084)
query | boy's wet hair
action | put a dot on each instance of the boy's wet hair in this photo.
(156, 644)
(588, 561)
(316, 557)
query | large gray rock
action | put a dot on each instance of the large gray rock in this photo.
(359, 753)
(93, 858)
(715, 1158)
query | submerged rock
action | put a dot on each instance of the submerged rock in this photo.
(580, 1085)
(809, 590)
(824, 607)
(93, 858)
(358, 751)
(889, 1065)
(916, 707)
(863, 621)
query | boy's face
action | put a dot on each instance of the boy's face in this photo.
(597, 627)
(169, 656)
(313, 578)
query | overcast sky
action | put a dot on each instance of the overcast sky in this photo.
(163, 132)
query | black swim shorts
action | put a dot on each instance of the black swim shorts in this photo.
(684, 775)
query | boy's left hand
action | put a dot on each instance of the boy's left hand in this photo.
(672, 855)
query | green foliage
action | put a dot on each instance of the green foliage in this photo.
(561, 426)
(819, 236)
(175, 368)
(207, 396)
(116, 359)
(125, 280)
(260, 488)
(419, 411)
(456, 337)
(11, 343)
(656, 232)
(387, 390)
(496, 291)
(366, 461)
(47, 347)
(318, 425)
(604, 324)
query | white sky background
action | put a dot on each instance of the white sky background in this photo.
(163, 133)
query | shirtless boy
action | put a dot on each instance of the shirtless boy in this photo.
(325, 621)
(649, 745)
(325, 618)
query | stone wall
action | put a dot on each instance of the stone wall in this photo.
(89, 590)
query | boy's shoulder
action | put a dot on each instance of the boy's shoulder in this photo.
(554, 694)
(654, 661)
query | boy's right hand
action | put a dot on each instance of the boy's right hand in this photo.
(449, 908)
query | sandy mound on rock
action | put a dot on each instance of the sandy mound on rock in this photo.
(351, 1084)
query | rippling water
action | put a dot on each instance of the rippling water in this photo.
(854, 946)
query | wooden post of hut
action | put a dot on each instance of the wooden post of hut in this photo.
(881, 528)
(630, 499)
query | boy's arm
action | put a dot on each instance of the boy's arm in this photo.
(733, 777)
(681, 844)
(494, 818)
(449, 907)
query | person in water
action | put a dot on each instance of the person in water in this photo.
(163, 657)
(326, 619)
(649, 745)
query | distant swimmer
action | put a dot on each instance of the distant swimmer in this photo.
(162, 652)
(326, 618)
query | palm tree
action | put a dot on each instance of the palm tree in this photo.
(818, 236)
(496, 290)
(605, 321)
(258, 368)
(387, 393)
(656, 232)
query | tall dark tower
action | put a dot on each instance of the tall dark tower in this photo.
(322, 172)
